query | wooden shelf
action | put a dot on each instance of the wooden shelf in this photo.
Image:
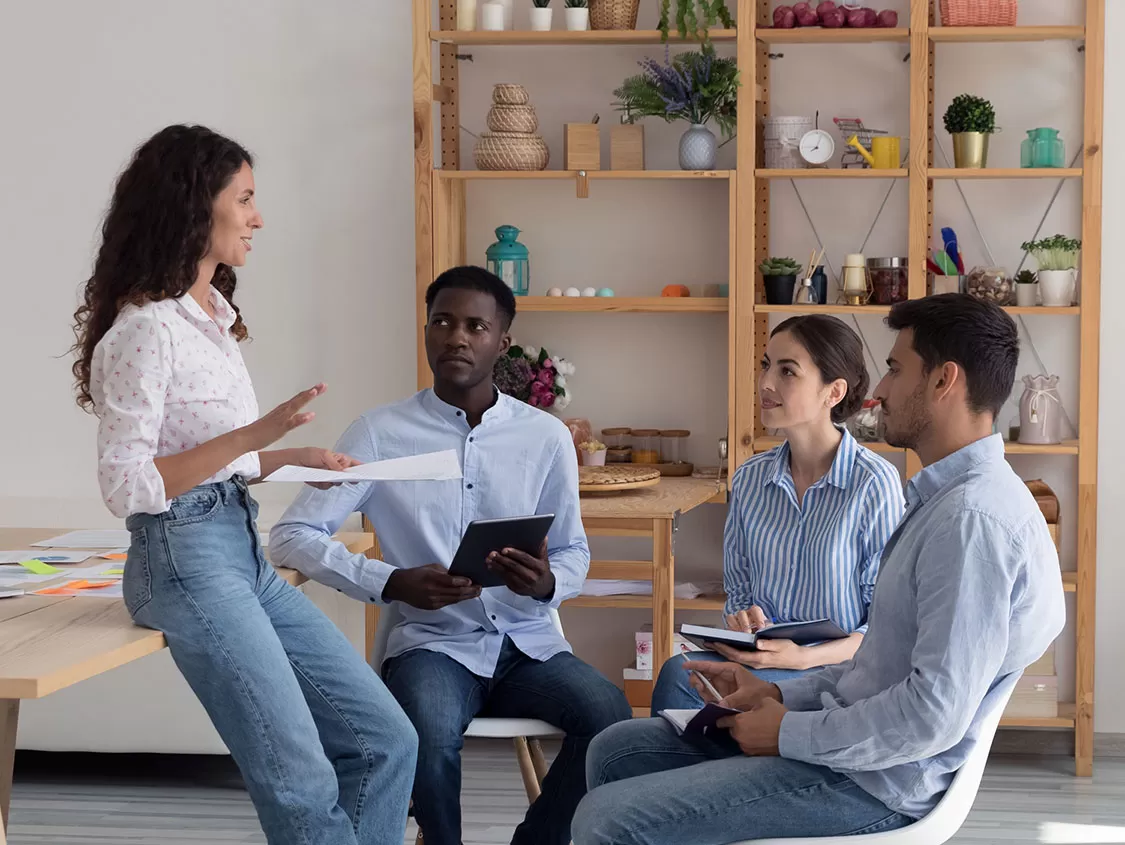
(859, 310)
(592, 175)
(831, 173)
(1067, 447)
(562, 37)
(820, 35)
(1070, 582)
(962, 173)
(1065, 719)
(1043, 311)
(988, 34)
(623, 305)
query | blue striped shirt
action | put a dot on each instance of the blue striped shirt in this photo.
(817, 559)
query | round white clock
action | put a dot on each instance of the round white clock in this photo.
(816, 147)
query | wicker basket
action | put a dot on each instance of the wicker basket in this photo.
(519, 119)
(613, 14)
(510, 151)
(510, 94)
(978, 12)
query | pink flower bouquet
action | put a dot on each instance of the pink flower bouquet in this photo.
(534, 376)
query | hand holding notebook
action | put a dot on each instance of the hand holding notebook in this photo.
(802, 633)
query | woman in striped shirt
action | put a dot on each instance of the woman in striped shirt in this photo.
(807, 520)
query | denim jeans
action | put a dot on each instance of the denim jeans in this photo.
(441, 697)
(673, 689)
(327, 755)
(649, 786)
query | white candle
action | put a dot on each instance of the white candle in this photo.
(466, 15)
(492, 17)
(507, 4)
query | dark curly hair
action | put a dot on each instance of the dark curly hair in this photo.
(837, 352)
(157, 230)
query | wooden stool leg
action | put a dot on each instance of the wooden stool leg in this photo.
(527, 769)
(538, 761)
(9, 719)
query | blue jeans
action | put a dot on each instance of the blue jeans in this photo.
(673, 689)
(441, 697)
(327, 755)
(649, 786)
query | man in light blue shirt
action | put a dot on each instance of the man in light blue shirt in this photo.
(460, 650)
(969, 594)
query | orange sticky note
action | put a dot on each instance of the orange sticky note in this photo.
(75, 586)
(114, 557)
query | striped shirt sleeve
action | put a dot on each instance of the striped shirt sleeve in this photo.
(736, 560)
(884, 509)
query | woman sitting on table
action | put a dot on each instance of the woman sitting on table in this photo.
(808, 519)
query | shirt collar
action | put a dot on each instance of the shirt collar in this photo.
(501, 409)
(224, 313)
(838, 475)
(936, 477)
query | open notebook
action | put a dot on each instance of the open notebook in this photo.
(701, 722)
(802, 633)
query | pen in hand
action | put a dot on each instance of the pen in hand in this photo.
(707, 685)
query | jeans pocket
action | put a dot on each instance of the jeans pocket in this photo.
(136, 586)
(196, 505)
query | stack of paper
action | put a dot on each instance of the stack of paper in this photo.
(432, 466)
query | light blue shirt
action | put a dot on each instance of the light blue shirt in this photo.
(817, 559)
(969, 594)
(518, 461)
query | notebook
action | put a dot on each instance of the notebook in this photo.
(701, 722)
(802, 633)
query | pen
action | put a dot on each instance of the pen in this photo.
(708, 685)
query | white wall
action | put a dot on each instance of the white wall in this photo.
(322, 96)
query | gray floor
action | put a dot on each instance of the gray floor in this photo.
(93, 800)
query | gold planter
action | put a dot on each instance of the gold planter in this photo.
(970, 149)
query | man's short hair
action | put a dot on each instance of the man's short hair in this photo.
(474, 278)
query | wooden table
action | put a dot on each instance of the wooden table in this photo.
(51, 642)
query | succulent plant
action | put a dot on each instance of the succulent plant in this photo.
(1057, 252)
(576, 4)
(1025, 277)
(541, 4)
(970, 114)
(779, 267)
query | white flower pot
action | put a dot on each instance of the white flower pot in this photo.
(540, 19)
(1056, 287)
(508, 13)
(577, 20)
(1027, 294)
(593, 459)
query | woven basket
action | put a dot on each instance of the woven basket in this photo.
(613, 14)
(509, 94)
(520, 119)
(510, 151)
(978, 12)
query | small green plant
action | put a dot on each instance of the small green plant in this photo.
(1025, 277)
(694, 18)
(697, 87)
(576, 4)
(779, 267)
(970, 114)
(1057, 252)
(541, 4)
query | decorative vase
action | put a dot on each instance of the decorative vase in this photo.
(577, 19)
(466, 15)
(540, 18)
(970, 149)
(820, 284)
(1027, 294)
(698, 148)
(1040, 411)
(1057, 287)
(779, 289)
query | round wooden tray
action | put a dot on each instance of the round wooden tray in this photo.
(615, 479)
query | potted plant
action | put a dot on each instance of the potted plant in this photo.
(694, 18)
(697, 87)
(577, 15)
(593, 453)
(1057, 257)
(540, 14)
(780, 277)
(1026, 290)
(971, 120)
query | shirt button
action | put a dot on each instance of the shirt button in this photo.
(494, 618)
(470, 440)
(469, 486)
(458, 413)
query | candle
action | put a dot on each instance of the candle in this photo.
(466, 15)
(507, 4)
(492, 17)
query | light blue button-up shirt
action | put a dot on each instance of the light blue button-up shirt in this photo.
(817, 559)
(518, 461)
(969, 594)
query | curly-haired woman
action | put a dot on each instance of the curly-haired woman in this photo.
(327, 754)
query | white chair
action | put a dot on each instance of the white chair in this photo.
(946, 818)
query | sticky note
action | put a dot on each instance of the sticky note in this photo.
(114, 572)
(113, 557)
(38, 567)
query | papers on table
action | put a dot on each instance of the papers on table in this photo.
(46, 557)
(88, 539)
(102, 589)
(432, 466)
(10, 594)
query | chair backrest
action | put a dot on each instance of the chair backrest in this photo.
(390, 615)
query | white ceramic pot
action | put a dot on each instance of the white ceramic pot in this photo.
(1056, 287)
(1027, 294)
(593, 459)
(577, 20)
(507, 4)
(540, 19)
(492, 17)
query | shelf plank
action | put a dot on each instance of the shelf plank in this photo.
(562, 37)
(592, 175)
(1067, 447)
(1043, 311)
(1070, 582)
(962, 173)
(623, 305)
(860, 310)
(831, 173)
(1065, 719)
(988, 34)
(820, 35)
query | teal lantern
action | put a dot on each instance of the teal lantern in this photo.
(507, 258)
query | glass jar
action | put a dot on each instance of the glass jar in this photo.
(673, 445)
(888, 280)
(646, 445)
(619, 443)
(992, 284)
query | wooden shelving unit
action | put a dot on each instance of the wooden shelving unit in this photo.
(440, 237)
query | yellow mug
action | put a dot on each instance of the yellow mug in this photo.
(884, 149)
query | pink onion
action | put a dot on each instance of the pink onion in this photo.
(825, 7)
(857, 18)
(806, 16)
(888, 18)
(833, 19)
(783, 17)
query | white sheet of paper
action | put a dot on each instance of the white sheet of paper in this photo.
(90, 539)
(18, 577)
(432, 466)
(10, 594)
(45, 556)
(99, 572)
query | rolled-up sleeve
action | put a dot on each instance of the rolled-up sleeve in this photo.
(132, 367)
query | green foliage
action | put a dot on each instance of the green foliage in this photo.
(576, 4)
(1057, 252)
(541, 4)
(1025, 277)
(779, 267)
(970, 114)
(694, 18)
